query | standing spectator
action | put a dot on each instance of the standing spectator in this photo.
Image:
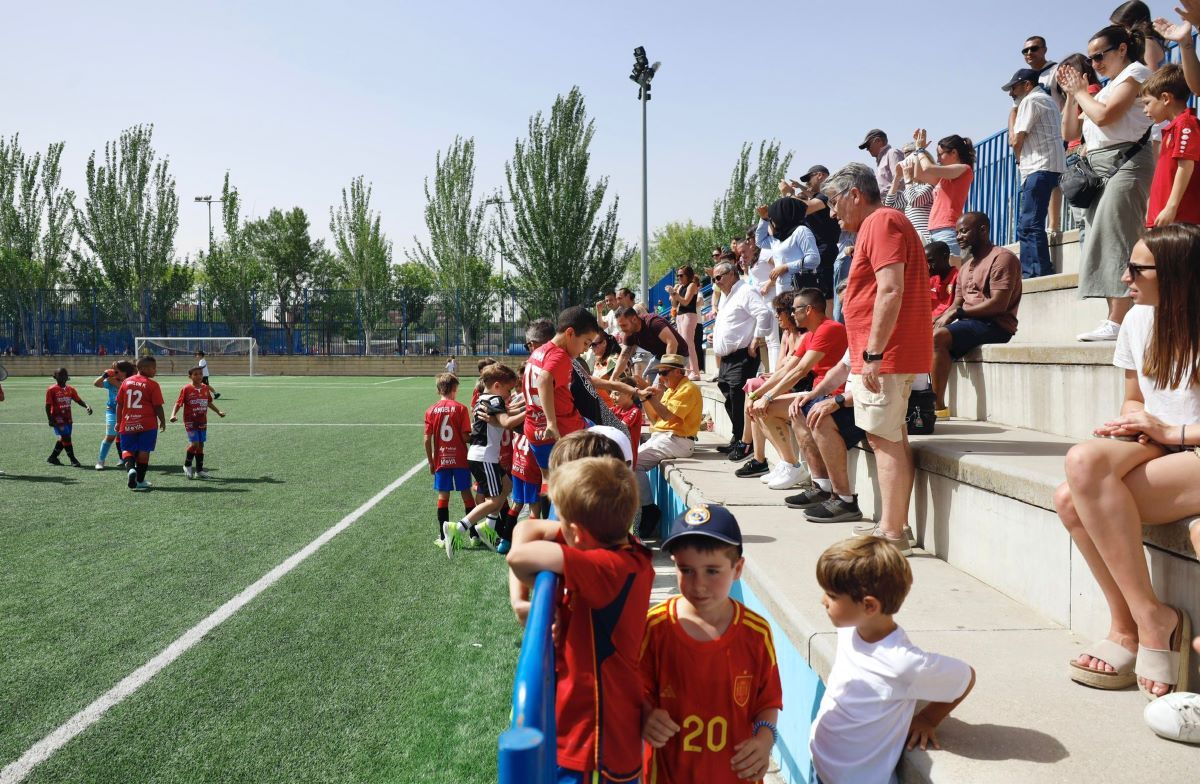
(823, 225)
(1034, 52)
(886, 157)
(1135, 17)
(889, 329)
(740, 331)
(1181, 34)
(1115, 131)
(793, 247)
(651, 333)
(606, 313)
(910, 196)
(685, 296)
(1175, 190)
(951, 177)
(942, 277)
(1036, 140)
(674, 407)
(452, 365)
(985, 307)
(1072, 128)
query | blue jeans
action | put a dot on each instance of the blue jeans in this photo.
(1031, 223)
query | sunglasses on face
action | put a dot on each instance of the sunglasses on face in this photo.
(800, 308)
(1099, 56)
(1135, 270)
(598, 343)
(1031, 49)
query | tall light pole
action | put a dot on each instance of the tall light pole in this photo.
(642, 74)
(209, 201)
(498, 203)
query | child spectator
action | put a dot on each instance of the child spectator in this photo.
(942, 277)
(606, 575)
(1174, 191)
(629, 410)
(59, 397)
(878, 674)
(447, 426)
(709, 673)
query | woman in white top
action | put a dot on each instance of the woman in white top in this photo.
(1143, 468)
(1113, 123)
(794, 252)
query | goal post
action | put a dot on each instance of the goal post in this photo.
(226, 356)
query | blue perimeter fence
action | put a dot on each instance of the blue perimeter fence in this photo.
(528, 748)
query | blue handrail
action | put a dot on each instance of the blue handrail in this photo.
(528, 748)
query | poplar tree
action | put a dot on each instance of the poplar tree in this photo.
(365, 256)
(750, 184)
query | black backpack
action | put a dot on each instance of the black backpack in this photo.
(921, 417)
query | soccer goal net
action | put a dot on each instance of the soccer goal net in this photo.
(226, 356)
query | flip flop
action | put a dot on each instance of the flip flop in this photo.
(1116, 656)
(1169, 666)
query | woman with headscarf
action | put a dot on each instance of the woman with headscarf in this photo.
(795, 258)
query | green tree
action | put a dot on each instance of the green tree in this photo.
(365, 254)
(127, 227)
(750, 184)
(281, 240)
(556, 236)
(35, 235)
(236, 279)
(677, 244)
(456, 251)
(414, 286)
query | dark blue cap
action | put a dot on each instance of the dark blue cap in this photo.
(709, 520)
(1022, 75)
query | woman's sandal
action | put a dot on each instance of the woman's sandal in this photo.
(1116, 656)
(1169, 666)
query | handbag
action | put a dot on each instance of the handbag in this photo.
(921, 417)
(1082, 186)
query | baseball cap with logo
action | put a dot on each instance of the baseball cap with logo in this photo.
(711, 520)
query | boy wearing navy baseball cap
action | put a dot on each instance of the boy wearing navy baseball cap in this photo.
(708, 664)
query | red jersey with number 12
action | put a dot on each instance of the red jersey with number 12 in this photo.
(59, 399)
(136, 400)
(194, 401)
(557, 363)
(449, 422)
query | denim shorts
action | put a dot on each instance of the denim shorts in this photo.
(969, 333)
(948, 236)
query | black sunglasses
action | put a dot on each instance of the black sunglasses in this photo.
(1099, 56)
(1137, 269)
(1031, 49)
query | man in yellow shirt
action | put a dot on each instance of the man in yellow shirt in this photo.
(674, 408)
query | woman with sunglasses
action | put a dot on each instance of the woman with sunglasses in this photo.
(1143, 468)
(1113, 125)
(685, 299)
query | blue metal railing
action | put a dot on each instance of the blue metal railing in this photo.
(528, 749)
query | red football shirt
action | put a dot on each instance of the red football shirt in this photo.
(1180, 142)
(524, 467)
(885, 238)
(633, 417)
(941, 291)
(712, 689)
(598, 704)
(830, 339)
(557, 363)
(195, 406)
(449, 422)
(59, 399)
(136, 400)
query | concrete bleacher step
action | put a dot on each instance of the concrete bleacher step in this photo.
(1064, 251)
(1052, 312)
(1025, 719)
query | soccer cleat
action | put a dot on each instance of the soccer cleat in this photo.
(813, 496)
(503, 547)
(216, 395)
(488, 536)
(188, 472)
(751, 468)
(100, 466)
(789, 476)
(202, 474)
(452, 538)
(141, 486)
(132, 478)
(835, 510)
(53, 460)
(76, 464)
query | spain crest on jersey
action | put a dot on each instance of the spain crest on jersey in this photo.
(741, 689)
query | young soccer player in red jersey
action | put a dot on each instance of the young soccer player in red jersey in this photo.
(195, 399)
(447, 427)
(711, 681)
(629, 410)
(140, 417)
(59, 397)
(550, 411)
(606, 575)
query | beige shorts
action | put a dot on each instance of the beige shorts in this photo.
(882, 413)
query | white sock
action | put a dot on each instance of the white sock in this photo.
(847, 498)
(464, 524)
(824, 485)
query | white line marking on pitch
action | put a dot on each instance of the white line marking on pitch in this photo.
(47, 746)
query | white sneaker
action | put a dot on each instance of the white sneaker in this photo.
(770, 476)
(1106, 331)
(1175, 717)
(188, 472)
(100, 466)
(198, 474)
(789, 476)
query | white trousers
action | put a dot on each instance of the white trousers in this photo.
(659, 447)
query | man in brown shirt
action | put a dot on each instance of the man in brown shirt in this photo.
(985, 305)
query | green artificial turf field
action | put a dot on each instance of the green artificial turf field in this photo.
(374, 660)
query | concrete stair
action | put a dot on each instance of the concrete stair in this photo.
(1060, 313)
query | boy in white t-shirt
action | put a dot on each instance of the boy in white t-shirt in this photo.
(878, 676)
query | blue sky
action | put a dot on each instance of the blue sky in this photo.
(294, 99)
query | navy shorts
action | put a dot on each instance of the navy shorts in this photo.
(139, 442)
(969, 333)
(844, 419)
(62, 431)
(197, 436)
(448, 479)
(525, 492)
(541, 454)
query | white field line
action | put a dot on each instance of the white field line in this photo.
(47, 746)
(243, 424)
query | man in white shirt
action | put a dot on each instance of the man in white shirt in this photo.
(741, 328)
(1036, 139)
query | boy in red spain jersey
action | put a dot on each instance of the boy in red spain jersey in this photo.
(606, 574)
(196, 399)
(711, 681)
(447, 427)
(139, 418)
(59, 397)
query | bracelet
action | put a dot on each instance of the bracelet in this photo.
(1183, 436)
(760, 724)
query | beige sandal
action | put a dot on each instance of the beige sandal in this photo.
(1113, 654)
(1170, 666)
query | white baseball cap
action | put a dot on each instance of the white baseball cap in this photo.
(616, 435)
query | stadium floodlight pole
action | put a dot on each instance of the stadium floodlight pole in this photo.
(498, 203)
(209, 201)
(643, 74)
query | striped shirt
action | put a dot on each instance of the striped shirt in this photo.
(915, 201)
(1038, 117)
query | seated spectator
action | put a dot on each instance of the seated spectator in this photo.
(985, 304)
(794, 254)
(951, 177)
(1142, 468)
(1036, 140)
(886, 157)
(942, 277)
(685, 297)
(674, 408)
(1175, 189)
(911, 196)
(754, 432)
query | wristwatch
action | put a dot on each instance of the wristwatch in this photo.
(869, 357)
(840, 400)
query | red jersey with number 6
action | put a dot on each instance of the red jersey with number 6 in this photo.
(59, 399)
(136, 400)
(195, 402)
(449, 422)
